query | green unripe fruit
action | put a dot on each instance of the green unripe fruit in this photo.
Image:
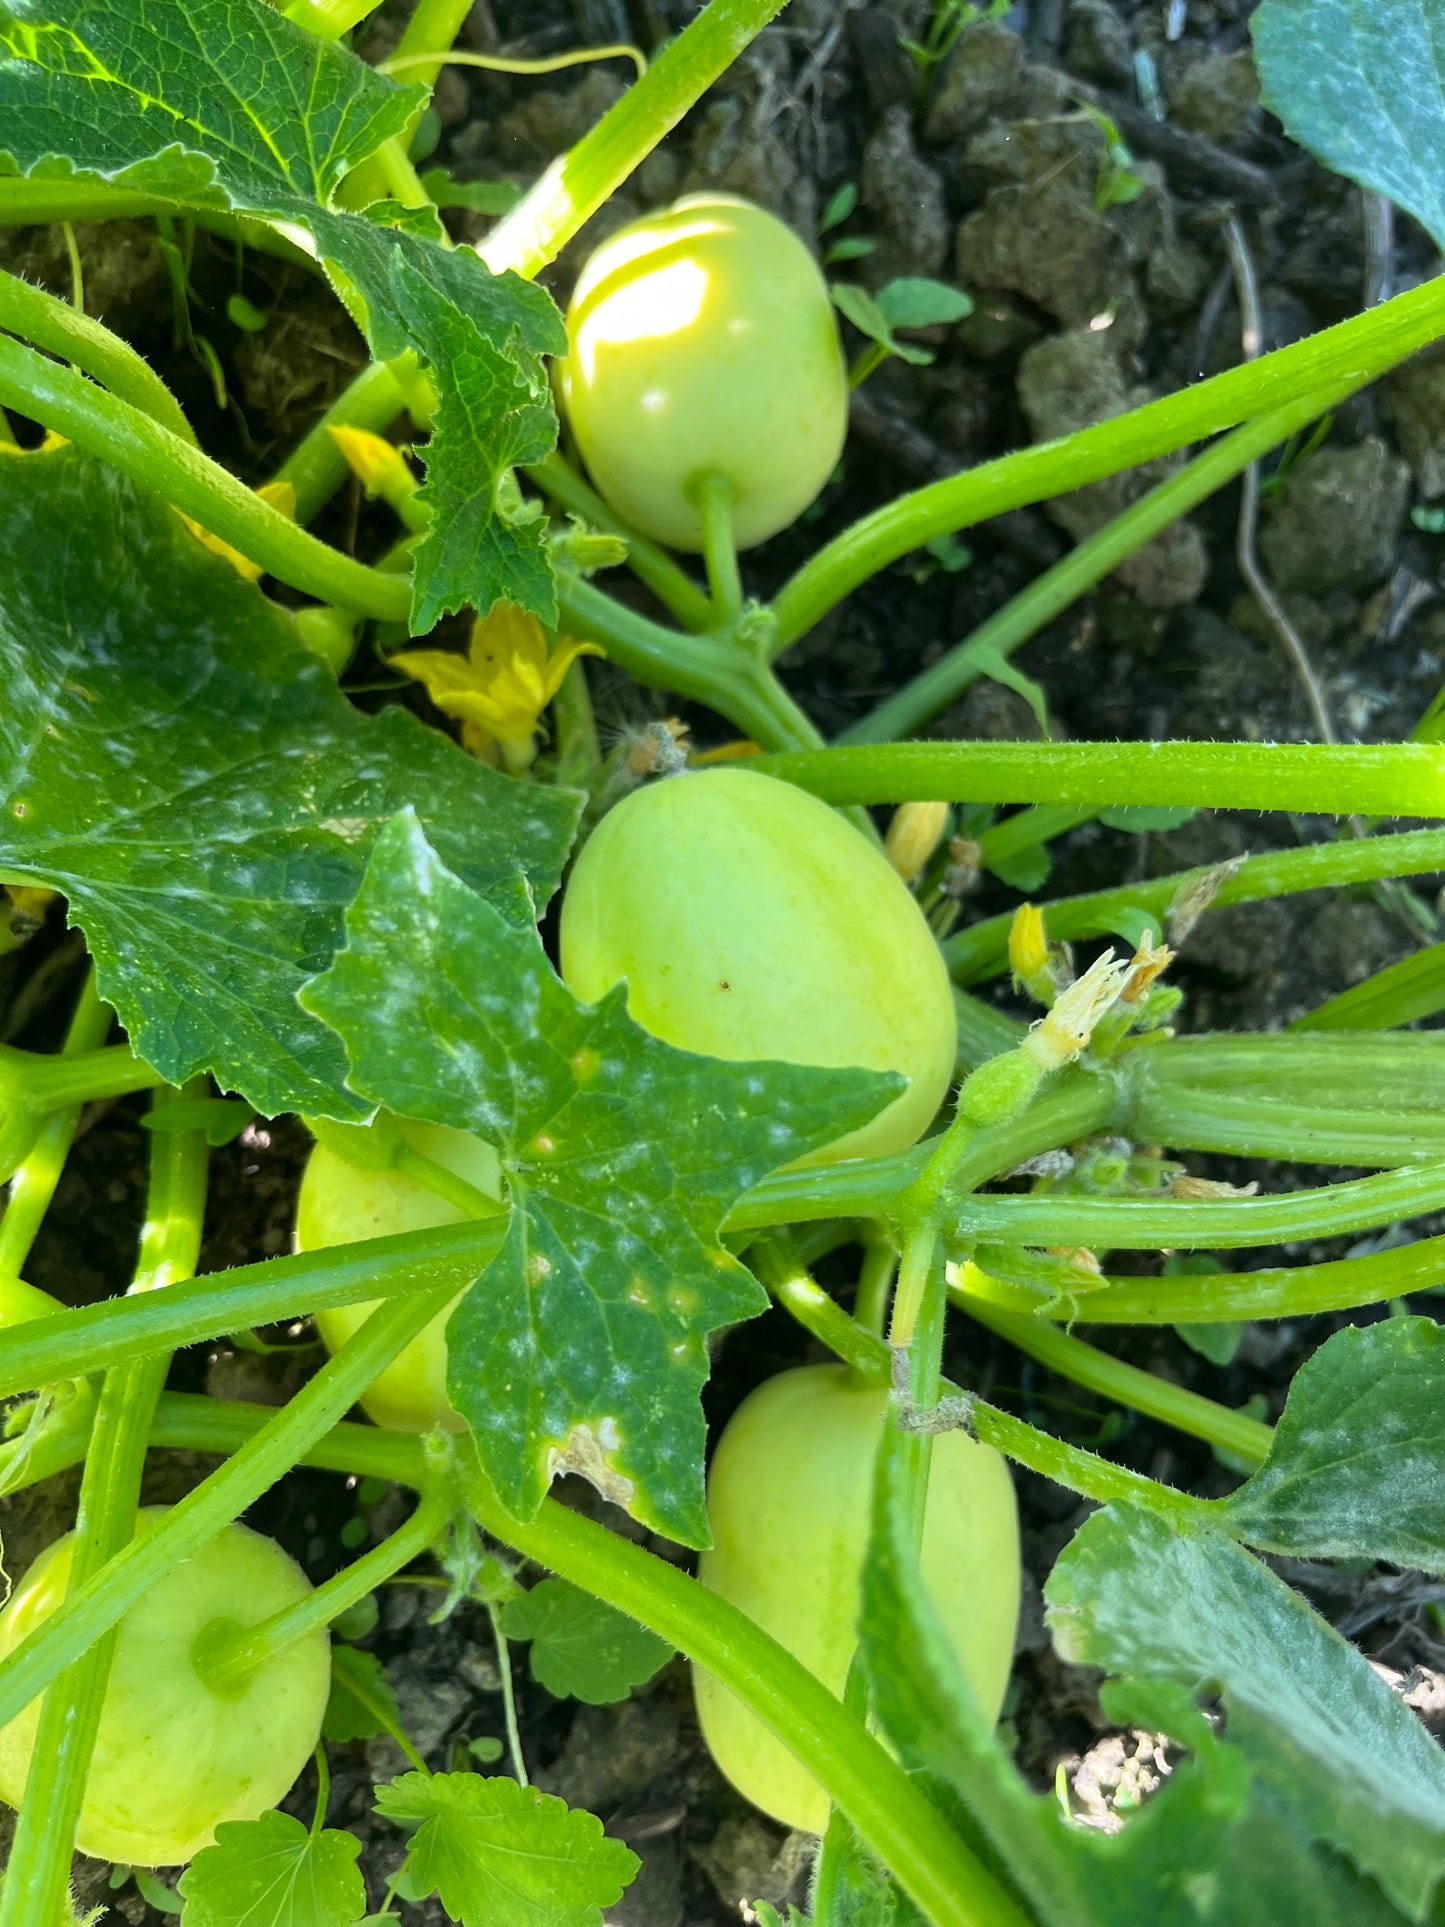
(789, 1500)
(750, 921)
(703, 342)
(174, 1757)
(340, 1204)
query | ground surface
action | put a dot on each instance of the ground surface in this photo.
(993, 181)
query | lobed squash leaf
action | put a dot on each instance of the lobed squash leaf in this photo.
(189, 776)
(1322, 1732)
(582, 1648)
(1225, 1843)
(495, 1851)
(583, 1346)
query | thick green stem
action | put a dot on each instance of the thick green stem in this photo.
(149, 454)
(38, 1871)
(59, 328)
(412, 1265)
(49, 1084)
(943, 682)
(1213, 1224)
(227, 1663)
(1231, 1297)
(1142, 1391)
(982, 950)
(1402, 994)
(1246, 1124)
(190, 1422)
(1354, 353)
(709, 669)
(1079, 1102)
(92, 1609)
(1068, 1465)
(671, 584)
(33, 1185)
(720, 553)
(890, 1811)
(581, 180)
(1394, 779)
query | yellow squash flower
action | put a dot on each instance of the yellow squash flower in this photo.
(500, 687)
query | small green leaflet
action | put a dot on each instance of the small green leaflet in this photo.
(190, 777)
(497, 1852)
(227, 104)
(1361, 84)
(1357, 1465)
(583, 1347)
(1135, 1594)
(272, 1873)
(362, 1702)
(1213, 1848)
(582, 1648)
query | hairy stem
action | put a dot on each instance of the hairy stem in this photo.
(982, 950)
(416, 1264)
(1201, 1418)
(38, 1871)
(1396, 779)
(130, 440)
(1354, 353)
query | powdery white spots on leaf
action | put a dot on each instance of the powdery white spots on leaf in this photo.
(623, 1157)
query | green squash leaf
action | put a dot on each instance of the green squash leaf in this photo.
(1361, 84)
(1356, 1468)
(176, 763)
(272, 1873)
(583, 1346)
(1214, 1847)
(227, 104)
(495, 1851)
(582, 1648)
(1333, 1745)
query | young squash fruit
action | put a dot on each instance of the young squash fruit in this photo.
(750, 921)
(174, 1757)
(339, 1204)
(703, 341)
(789, 1497)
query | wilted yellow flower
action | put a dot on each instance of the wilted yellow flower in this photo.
(380, 467)
(915, 832)
(1028, 954)
(503, 683)
(280, 495)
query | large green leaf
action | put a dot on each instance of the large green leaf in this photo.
(1213, 1848)
(1356, 1468)
(1336, 1748)
(583, 1347)
(501, 1853)
(1361, 84)
(190, 777)
(227, 104)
